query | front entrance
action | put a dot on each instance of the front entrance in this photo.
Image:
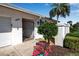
(28, 28)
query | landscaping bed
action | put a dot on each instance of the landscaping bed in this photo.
(42, 49)
(60, 51)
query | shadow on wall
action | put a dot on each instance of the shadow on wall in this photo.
(5, 24)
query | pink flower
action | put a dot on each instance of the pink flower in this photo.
(41, 47)
(38, 47)
(36, 52)
(46, 53)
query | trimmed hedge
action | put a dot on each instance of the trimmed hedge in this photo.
(74, 34)
(71, 42)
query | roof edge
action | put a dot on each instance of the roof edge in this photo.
(8, 5)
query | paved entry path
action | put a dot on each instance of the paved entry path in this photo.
(24, 49)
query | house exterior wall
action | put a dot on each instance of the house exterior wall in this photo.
(16, 31)
(16, 23)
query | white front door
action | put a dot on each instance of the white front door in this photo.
(5, 31)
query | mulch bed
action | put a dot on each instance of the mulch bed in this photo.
(58, 51)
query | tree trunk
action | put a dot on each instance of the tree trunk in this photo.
(49, 41)
(57, 18)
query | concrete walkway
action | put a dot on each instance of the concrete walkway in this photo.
(24, 49)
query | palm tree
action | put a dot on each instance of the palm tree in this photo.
(59, 9)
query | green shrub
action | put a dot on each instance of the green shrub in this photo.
(48, 30)
(71, 42)
(75, 34)
(74, 27)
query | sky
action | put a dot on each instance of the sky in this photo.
(44, 8)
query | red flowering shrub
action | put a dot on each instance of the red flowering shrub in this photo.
(43, 44)
(41, 48)
(46, 53)
(36, 52)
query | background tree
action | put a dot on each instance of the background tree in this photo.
(70, 22)
(59, 9)
(76, 27)
(71, 27)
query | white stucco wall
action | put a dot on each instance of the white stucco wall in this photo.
(62, 31)
(60, 36)
(16, 30)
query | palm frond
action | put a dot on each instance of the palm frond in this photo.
(59, 9)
